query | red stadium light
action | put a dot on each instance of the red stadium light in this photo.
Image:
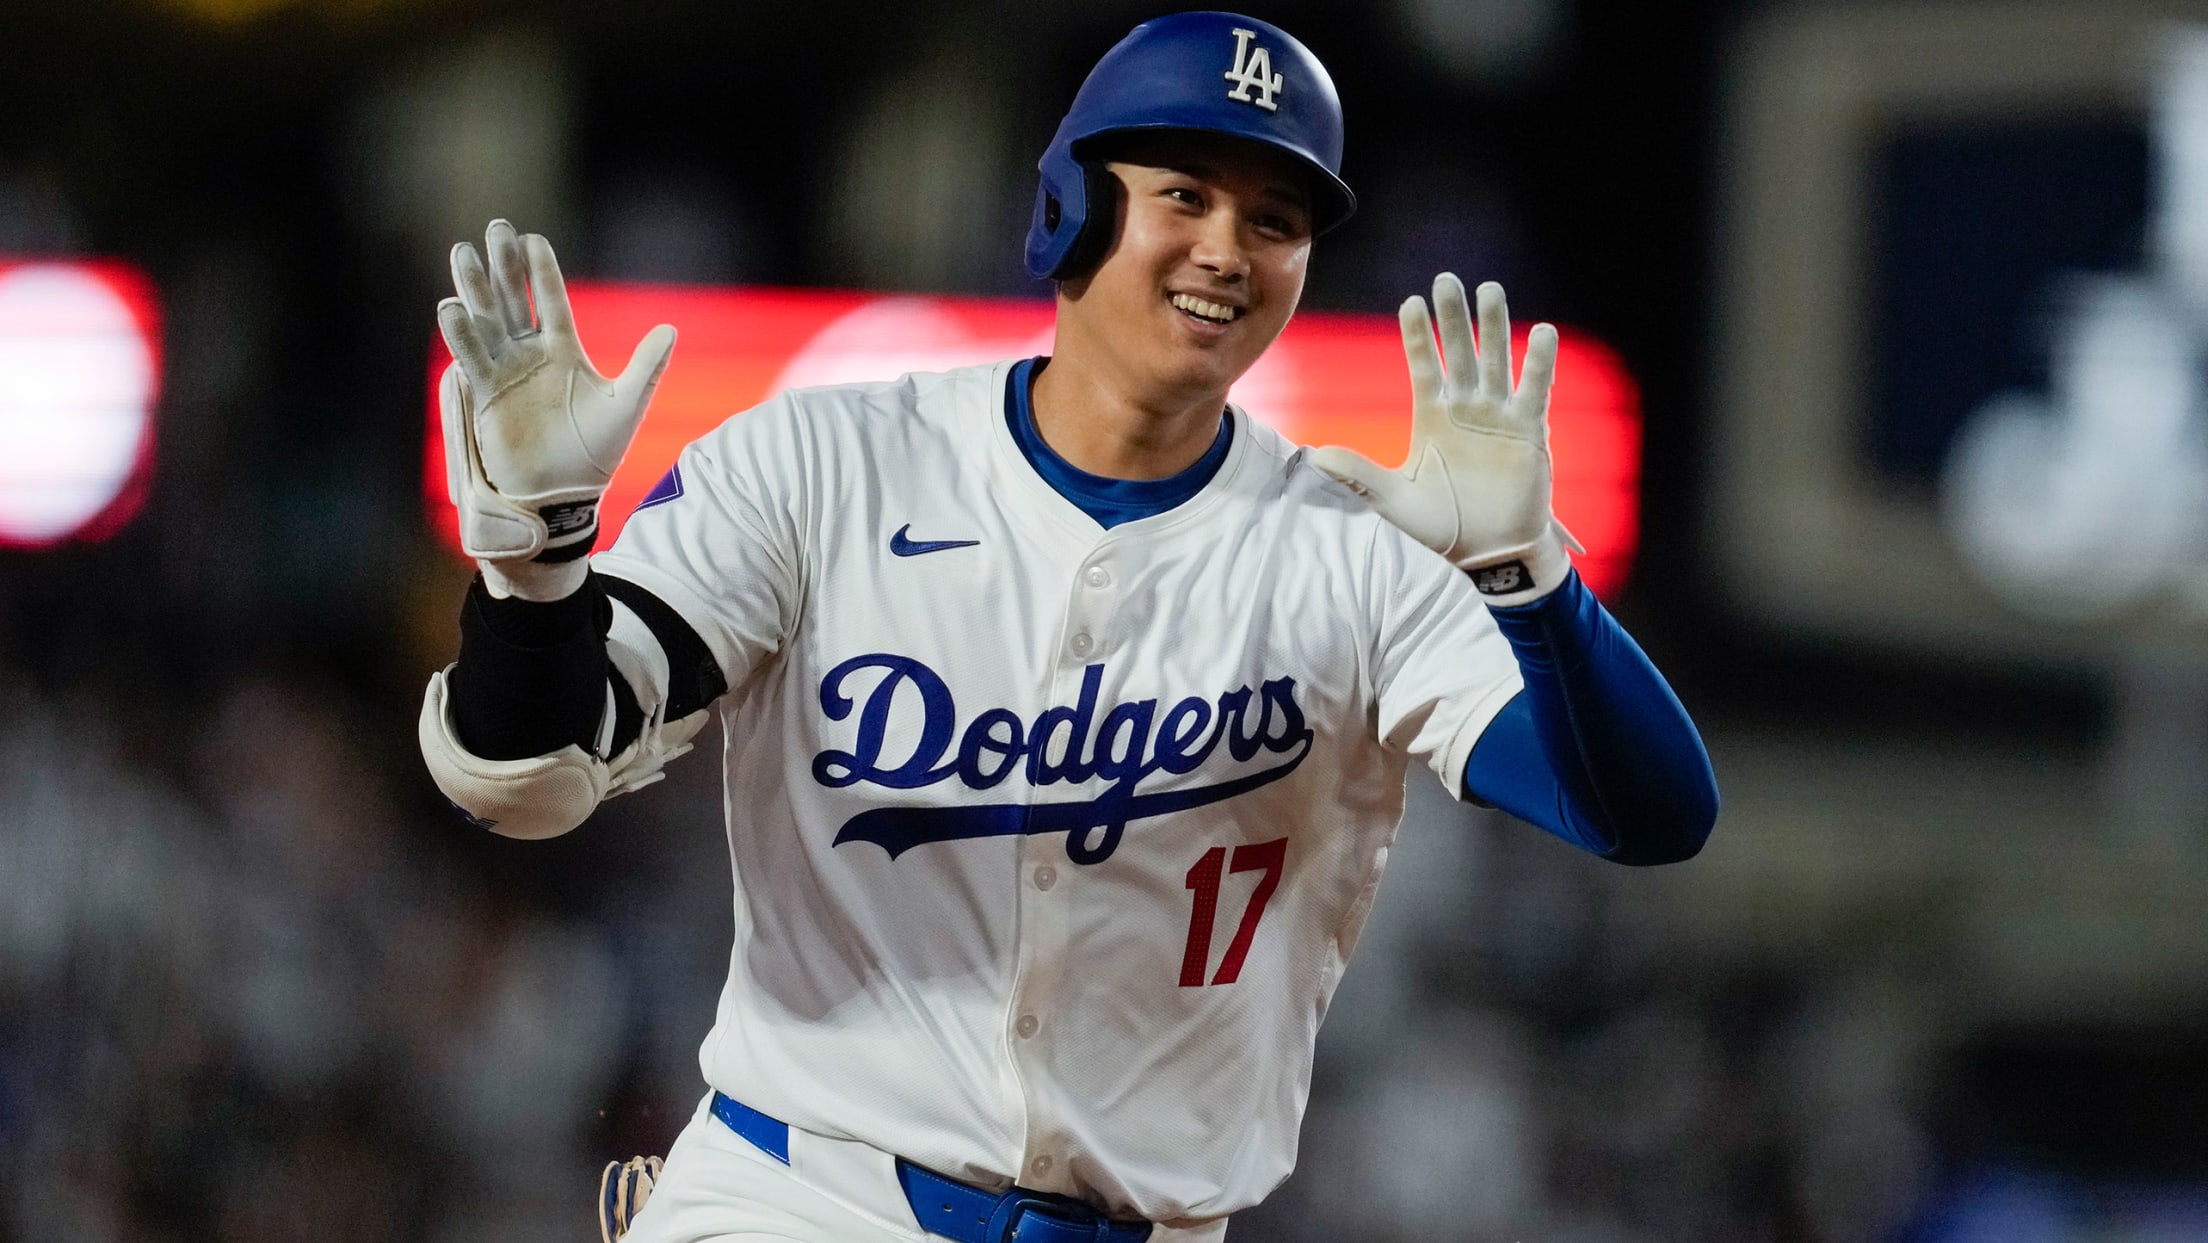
(80, 366)
(1331, 379)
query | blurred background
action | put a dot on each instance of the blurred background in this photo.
(1913, 297)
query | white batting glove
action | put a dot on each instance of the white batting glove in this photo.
(532, 431)
(623, 1189)
(1476, 485)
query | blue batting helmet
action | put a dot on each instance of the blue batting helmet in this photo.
(1220, 73)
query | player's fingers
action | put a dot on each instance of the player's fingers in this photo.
(550, 288)
(610, 1216)
(1388, 492)
(510, 277)
(1455, 317)
(453, 409)
(1418, 347)
(1363, 475)
(1531, 402)
(1494, 341)
(647, 364)
(473, 283)
(462, 337)
(1428, 412)
(1429, 388)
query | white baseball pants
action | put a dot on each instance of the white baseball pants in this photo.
(719, 1188)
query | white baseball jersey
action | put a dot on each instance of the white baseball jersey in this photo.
(1050, 841)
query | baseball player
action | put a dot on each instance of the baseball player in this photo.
(1066, 708)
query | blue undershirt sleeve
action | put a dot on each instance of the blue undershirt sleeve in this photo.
(1597, 749)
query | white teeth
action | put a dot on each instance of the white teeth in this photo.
(1207, 310)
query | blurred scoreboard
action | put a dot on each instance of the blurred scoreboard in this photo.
(1917, 204)
(1331, 379)
(80, 368)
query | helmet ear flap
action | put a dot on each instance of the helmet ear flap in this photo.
(1060, 207)
(1098, 223)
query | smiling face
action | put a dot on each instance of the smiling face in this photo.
(1210, 242)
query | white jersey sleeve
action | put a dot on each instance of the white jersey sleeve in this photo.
(1441, 669)
(718, 541)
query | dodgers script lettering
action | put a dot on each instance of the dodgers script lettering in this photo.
(1065, 745)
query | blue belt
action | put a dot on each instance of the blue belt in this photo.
(952, 1209)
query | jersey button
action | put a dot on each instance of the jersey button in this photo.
(1099, 577)
(1027, 1026)
(1082, 644)
(1040, 1165)
(1045, 877)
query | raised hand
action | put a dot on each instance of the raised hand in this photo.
(532, 431)
(1476, 484)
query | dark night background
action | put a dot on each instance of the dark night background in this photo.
(257, 983)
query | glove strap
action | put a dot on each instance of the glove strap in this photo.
(542, 580)
(1524, 575)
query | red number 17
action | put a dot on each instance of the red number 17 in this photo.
(1204, 879)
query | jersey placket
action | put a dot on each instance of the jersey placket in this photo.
(1049, 880)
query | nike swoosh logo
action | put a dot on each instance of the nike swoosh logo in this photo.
(904, 545)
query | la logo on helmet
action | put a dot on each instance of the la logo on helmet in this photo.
(1253, 71)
